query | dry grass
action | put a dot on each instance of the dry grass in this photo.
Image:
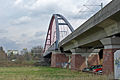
(45, 73)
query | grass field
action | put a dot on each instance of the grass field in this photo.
(45, 73)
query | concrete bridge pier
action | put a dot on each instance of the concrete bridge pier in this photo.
(77, 62)
(76, 59)
(59, 59)
(84, 57)
(80, 58)
(111, 44)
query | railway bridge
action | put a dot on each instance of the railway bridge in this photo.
(92, 43)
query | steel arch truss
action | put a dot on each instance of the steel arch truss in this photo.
(59, 26)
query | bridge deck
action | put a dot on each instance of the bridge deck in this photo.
(96, 25)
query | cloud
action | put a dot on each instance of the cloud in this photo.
(22, 20)
(27, 21)
(18, 2)
(33, 4)
(8, 44)
(32, 43)
(41, 3)
(3, 31)
(23, 35)
(36, 42)
(39, 34)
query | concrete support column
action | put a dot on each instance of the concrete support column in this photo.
(77, 62)
(86, 55)
(86, 61)
(59, 60)
(110, 46)
(93, 58)
(79, 58)
(69, 60)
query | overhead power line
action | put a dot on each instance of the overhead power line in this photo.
(101, 5)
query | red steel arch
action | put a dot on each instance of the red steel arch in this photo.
(58, 25)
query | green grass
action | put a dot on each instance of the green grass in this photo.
(45, 73)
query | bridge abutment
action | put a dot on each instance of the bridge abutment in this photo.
(110, 46)
(59, 60)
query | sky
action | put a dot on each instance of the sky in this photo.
(24, 23)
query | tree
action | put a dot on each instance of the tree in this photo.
(37, 52)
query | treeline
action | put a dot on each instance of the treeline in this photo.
(27, 58)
